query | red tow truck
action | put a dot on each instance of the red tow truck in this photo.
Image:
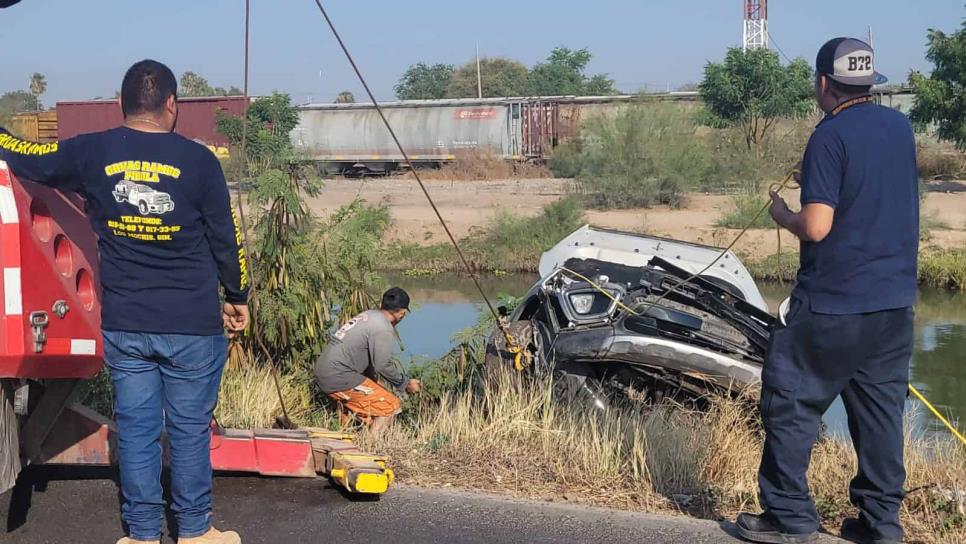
(50, 340)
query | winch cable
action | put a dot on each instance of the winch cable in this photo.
(640, 313)
(284, 421)
(511, 344)
(776, 187)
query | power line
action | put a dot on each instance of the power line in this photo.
(771, 37)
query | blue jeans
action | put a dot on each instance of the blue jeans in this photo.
(165, 381)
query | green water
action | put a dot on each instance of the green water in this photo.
(446, 304)
(938, 366)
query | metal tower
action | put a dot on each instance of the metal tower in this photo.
(755, 30)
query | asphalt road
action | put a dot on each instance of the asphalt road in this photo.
(58, 507)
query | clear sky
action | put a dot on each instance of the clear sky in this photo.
(83, 47)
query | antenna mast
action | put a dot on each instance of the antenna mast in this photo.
(755, 29)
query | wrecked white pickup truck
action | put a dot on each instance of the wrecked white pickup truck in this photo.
(652, 333)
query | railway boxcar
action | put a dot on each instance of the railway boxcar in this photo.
(196, 117)
(351, 138)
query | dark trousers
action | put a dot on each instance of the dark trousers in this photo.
(810, 361)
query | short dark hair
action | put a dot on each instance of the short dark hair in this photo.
(395, 299)
(841, 89)
(146, 87)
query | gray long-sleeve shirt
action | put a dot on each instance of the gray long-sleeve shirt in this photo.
(361, 348)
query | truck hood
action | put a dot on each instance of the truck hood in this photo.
(630, 249)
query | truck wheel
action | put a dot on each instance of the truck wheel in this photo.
(119, 198)
(9, 438)
(143, 207)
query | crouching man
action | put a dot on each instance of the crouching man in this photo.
(359, 353)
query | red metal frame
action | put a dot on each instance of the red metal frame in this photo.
(756, 10)
(540, 122)
(48, 253)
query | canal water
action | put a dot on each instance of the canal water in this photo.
(446, 304)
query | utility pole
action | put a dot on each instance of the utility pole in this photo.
(870, 35)
(479, 76)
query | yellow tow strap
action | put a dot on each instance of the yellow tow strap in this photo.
(936, 413)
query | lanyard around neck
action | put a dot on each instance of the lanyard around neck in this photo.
(849, 103)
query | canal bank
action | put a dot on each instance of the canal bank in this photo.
(445, 304)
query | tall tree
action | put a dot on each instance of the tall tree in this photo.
(38, 86)
(941, 97)
(563, 74)
(16, 102)
(270, 120)
(752, 89)
(424, 82)
(501, 77)
(192, 84)
(230, 91)
(345, 97)
(304, 272)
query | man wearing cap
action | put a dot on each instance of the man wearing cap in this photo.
(849, 327)
(360, 353)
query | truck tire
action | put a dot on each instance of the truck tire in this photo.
(143, 207)
(9, 438)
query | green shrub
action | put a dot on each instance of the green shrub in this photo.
(511, 242)
(565, 162)
(774, 267)
(652, 154)
(746, 212)
(939, 160)
(640, 157)
(734, 167)
(944, 269)
(508, 243)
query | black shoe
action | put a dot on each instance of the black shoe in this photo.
(758, 528)
(855, 530)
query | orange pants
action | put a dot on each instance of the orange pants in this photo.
(368, 400)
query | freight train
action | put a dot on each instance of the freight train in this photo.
(351, 139)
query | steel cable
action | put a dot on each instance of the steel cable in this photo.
(511, 343)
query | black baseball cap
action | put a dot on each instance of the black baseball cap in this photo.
(848, 61)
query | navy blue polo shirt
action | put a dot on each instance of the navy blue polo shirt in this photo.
(862, 162)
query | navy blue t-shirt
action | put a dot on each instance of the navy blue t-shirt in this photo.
(167, 235)
(862, 162)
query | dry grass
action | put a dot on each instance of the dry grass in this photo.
(939, 160)
(522, 442)
(480, 165)
(248, 400)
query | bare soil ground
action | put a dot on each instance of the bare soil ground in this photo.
(468, 205)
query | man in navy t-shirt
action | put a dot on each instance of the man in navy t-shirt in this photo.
(167, 239)
(849, 327)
